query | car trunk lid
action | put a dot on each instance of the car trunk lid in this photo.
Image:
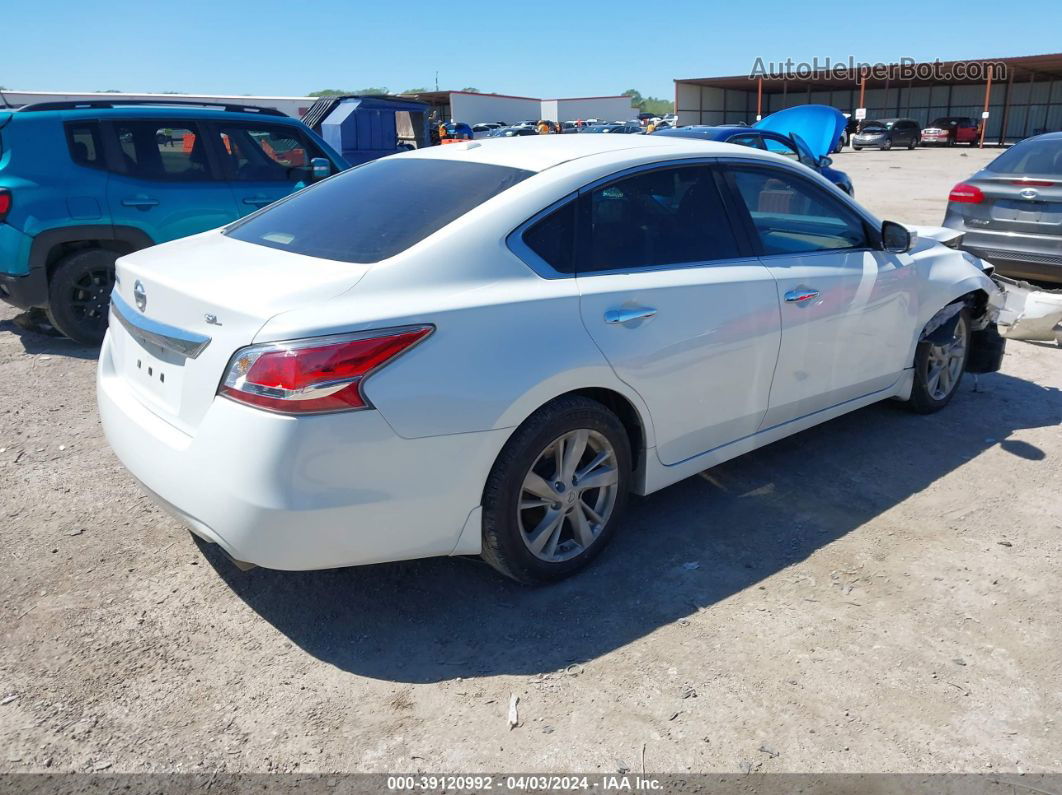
(1018, 203)
(180, 311)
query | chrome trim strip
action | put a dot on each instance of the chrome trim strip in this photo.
(144, 329)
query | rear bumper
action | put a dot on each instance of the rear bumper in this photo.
(301, 493)
(1037, 257)
(30, 290)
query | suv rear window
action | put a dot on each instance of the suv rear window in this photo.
(377, 210)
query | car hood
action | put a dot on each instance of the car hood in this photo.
(819, 125)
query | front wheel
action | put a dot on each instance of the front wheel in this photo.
(913, 144)
(556, 492)
(938, 368)
(79, 294)
(856, 148)
(885, 147)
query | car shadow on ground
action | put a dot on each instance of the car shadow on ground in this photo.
(43, 340)
(679, 550)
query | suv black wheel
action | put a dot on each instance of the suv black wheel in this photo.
(79, 294)
(553, 498)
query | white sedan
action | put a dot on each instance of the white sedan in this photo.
(483, 348)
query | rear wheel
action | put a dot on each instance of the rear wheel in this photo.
(913, 144)
(938, 368)
(79, 294)
(555, 493)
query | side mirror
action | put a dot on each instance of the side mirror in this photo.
(825, 162)
(895, 237)
(320, 168)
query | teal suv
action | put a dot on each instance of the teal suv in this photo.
(82, 183)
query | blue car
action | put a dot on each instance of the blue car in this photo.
(82, 183)
(791, 146)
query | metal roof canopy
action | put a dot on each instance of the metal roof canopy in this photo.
(1047, 66)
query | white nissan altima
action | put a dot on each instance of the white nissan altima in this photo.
(482, 348)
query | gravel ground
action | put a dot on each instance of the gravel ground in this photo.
(881, 593)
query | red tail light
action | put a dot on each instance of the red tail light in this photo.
(314, 375)
(964, 193)
(5, 203)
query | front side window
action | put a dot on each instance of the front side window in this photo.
(754, 141)
(669, 216)
(163, 151)
(781, 148)
(265, 153)
(792, 216)
(83, 140)
(377, 210)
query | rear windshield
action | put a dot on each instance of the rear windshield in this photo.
(377, 210)
(1040, 158)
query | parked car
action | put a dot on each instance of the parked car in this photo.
(483, 350)
(793, 148)
(82, 183)
(951, 130)
(1010, 212)
(510, 132)
(887, 133)
(620, 128)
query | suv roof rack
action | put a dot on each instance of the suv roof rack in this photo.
(79, 104)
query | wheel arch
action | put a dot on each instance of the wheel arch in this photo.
(632, 414)
(50, 246)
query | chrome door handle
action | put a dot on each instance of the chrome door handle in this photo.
(140, 201)
(621, 316)
(257, 201)
(801, 296)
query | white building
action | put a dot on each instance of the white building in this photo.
(471, 107)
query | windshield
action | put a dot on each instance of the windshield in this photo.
(943, 122)
(873, 126)
(377, 210)
(1039, 157)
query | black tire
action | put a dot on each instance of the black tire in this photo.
(922, 400)
(79, 294)
(504, 545)
(856, 148)
(913, 144)
(887, 145)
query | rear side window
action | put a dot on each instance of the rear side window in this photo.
(1041, 158)
(377, 210)
(83, 140)
(163, 151)
(553, 238)
(670, 216)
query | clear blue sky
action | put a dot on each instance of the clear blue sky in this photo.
(545, 48)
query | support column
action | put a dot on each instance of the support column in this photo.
(984, 121)
(759, 99)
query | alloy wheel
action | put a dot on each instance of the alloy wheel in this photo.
(944, 364)
(568, 495)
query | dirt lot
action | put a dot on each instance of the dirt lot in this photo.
(882, 593)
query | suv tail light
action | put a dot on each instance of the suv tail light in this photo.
(964, 193)
(5, 204)
(315, 375)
